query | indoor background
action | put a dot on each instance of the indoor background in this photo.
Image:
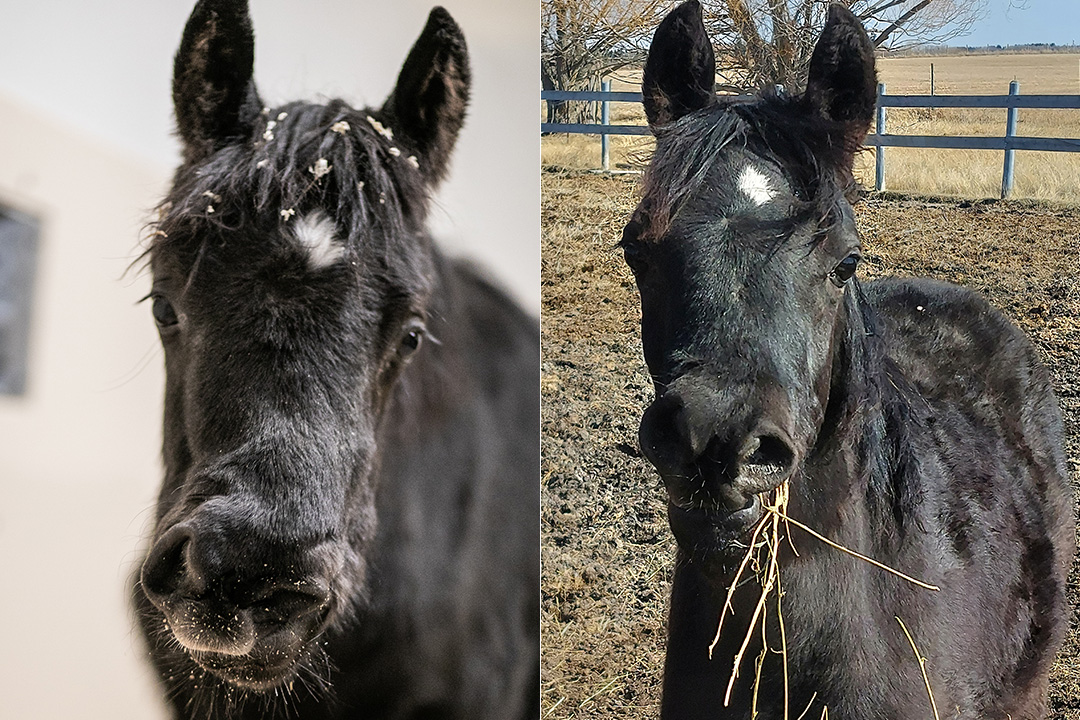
(86, 149)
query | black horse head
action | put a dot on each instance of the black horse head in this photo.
(291, 288)
(744, 249)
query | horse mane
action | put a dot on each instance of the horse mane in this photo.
(302, 156)
(818, 149)
(883, 414)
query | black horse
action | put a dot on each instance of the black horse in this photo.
(909, 421)
(348, 522)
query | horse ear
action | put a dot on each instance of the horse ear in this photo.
(213, 94)
(680, 74)
(842, 84)
(427, 106)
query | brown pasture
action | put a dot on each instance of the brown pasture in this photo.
(607, 552)
(606, 549)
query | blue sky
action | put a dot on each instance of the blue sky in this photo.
(1048, 21)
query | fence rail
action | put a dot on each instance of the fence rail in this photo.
(880, 139)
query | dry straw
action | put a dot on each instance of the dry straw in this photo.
(762, 556)
(922, 666)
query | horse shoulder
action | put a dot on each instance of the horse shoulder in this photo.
(994, 479)
(955, 348)
(991, 407)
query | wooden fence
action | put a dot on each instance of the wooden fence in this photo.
(1010, 142)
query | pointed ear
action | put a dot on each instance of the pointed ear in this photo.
(427, 106)
(842, 84)
(680, 74)
(213, 94)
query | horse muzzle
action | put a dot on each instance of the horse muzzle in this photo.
(715, 465)
(701, 532)
(245, 611)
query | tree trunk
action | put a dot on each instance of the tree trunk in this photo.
(575, 111)
(568, 68)
(547, 82)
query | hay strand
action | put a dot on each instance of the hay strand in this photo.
(922, 666)
(808, 706)
(772, 578)
(860, 556)
(734, 584)
(783, 636)
(765, 590)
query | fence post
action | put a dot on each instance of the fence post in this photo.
(605, 119)
(1010, 133)
(879, 128)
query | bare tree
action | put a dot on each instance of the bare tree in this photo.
(584, 40)
(769, 42)
(758, 43)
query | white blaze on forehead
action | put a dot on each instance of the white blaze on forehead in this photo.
(754, 184)
(317, 235)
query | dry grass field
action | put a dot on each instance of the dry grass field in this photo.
(606, 549)
(956, 173)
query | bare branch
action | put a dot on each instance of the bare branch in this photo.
(758, 43)
(884, 35)
(873, 12)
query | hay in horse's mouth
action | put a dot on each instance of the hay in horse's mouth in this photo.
(766, 538)
(770, 544)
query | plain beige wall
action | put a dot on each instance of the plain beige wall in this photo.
(85, 147)
(79, 451)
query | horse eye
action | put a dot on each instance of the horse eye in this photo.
(633, 255)
(845, 270)
(410, 341)
(163, 312)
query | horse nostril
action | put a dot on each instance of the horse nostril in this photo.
(770, 451)
(660, 437)
(166, 566)
(283, 606)
(765, 462)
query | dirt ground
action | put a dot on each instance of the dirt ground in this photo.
(607, 551)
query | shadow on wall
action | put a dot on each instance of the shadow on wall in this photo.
(18, 255)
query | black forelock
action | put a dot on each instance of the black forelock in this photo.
(372, 186)
(812, 151)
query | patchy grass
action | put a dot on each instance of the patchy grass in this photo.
(606, 549)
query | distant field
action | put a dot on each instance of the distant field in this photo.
(1038, 74)
(962, 173)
